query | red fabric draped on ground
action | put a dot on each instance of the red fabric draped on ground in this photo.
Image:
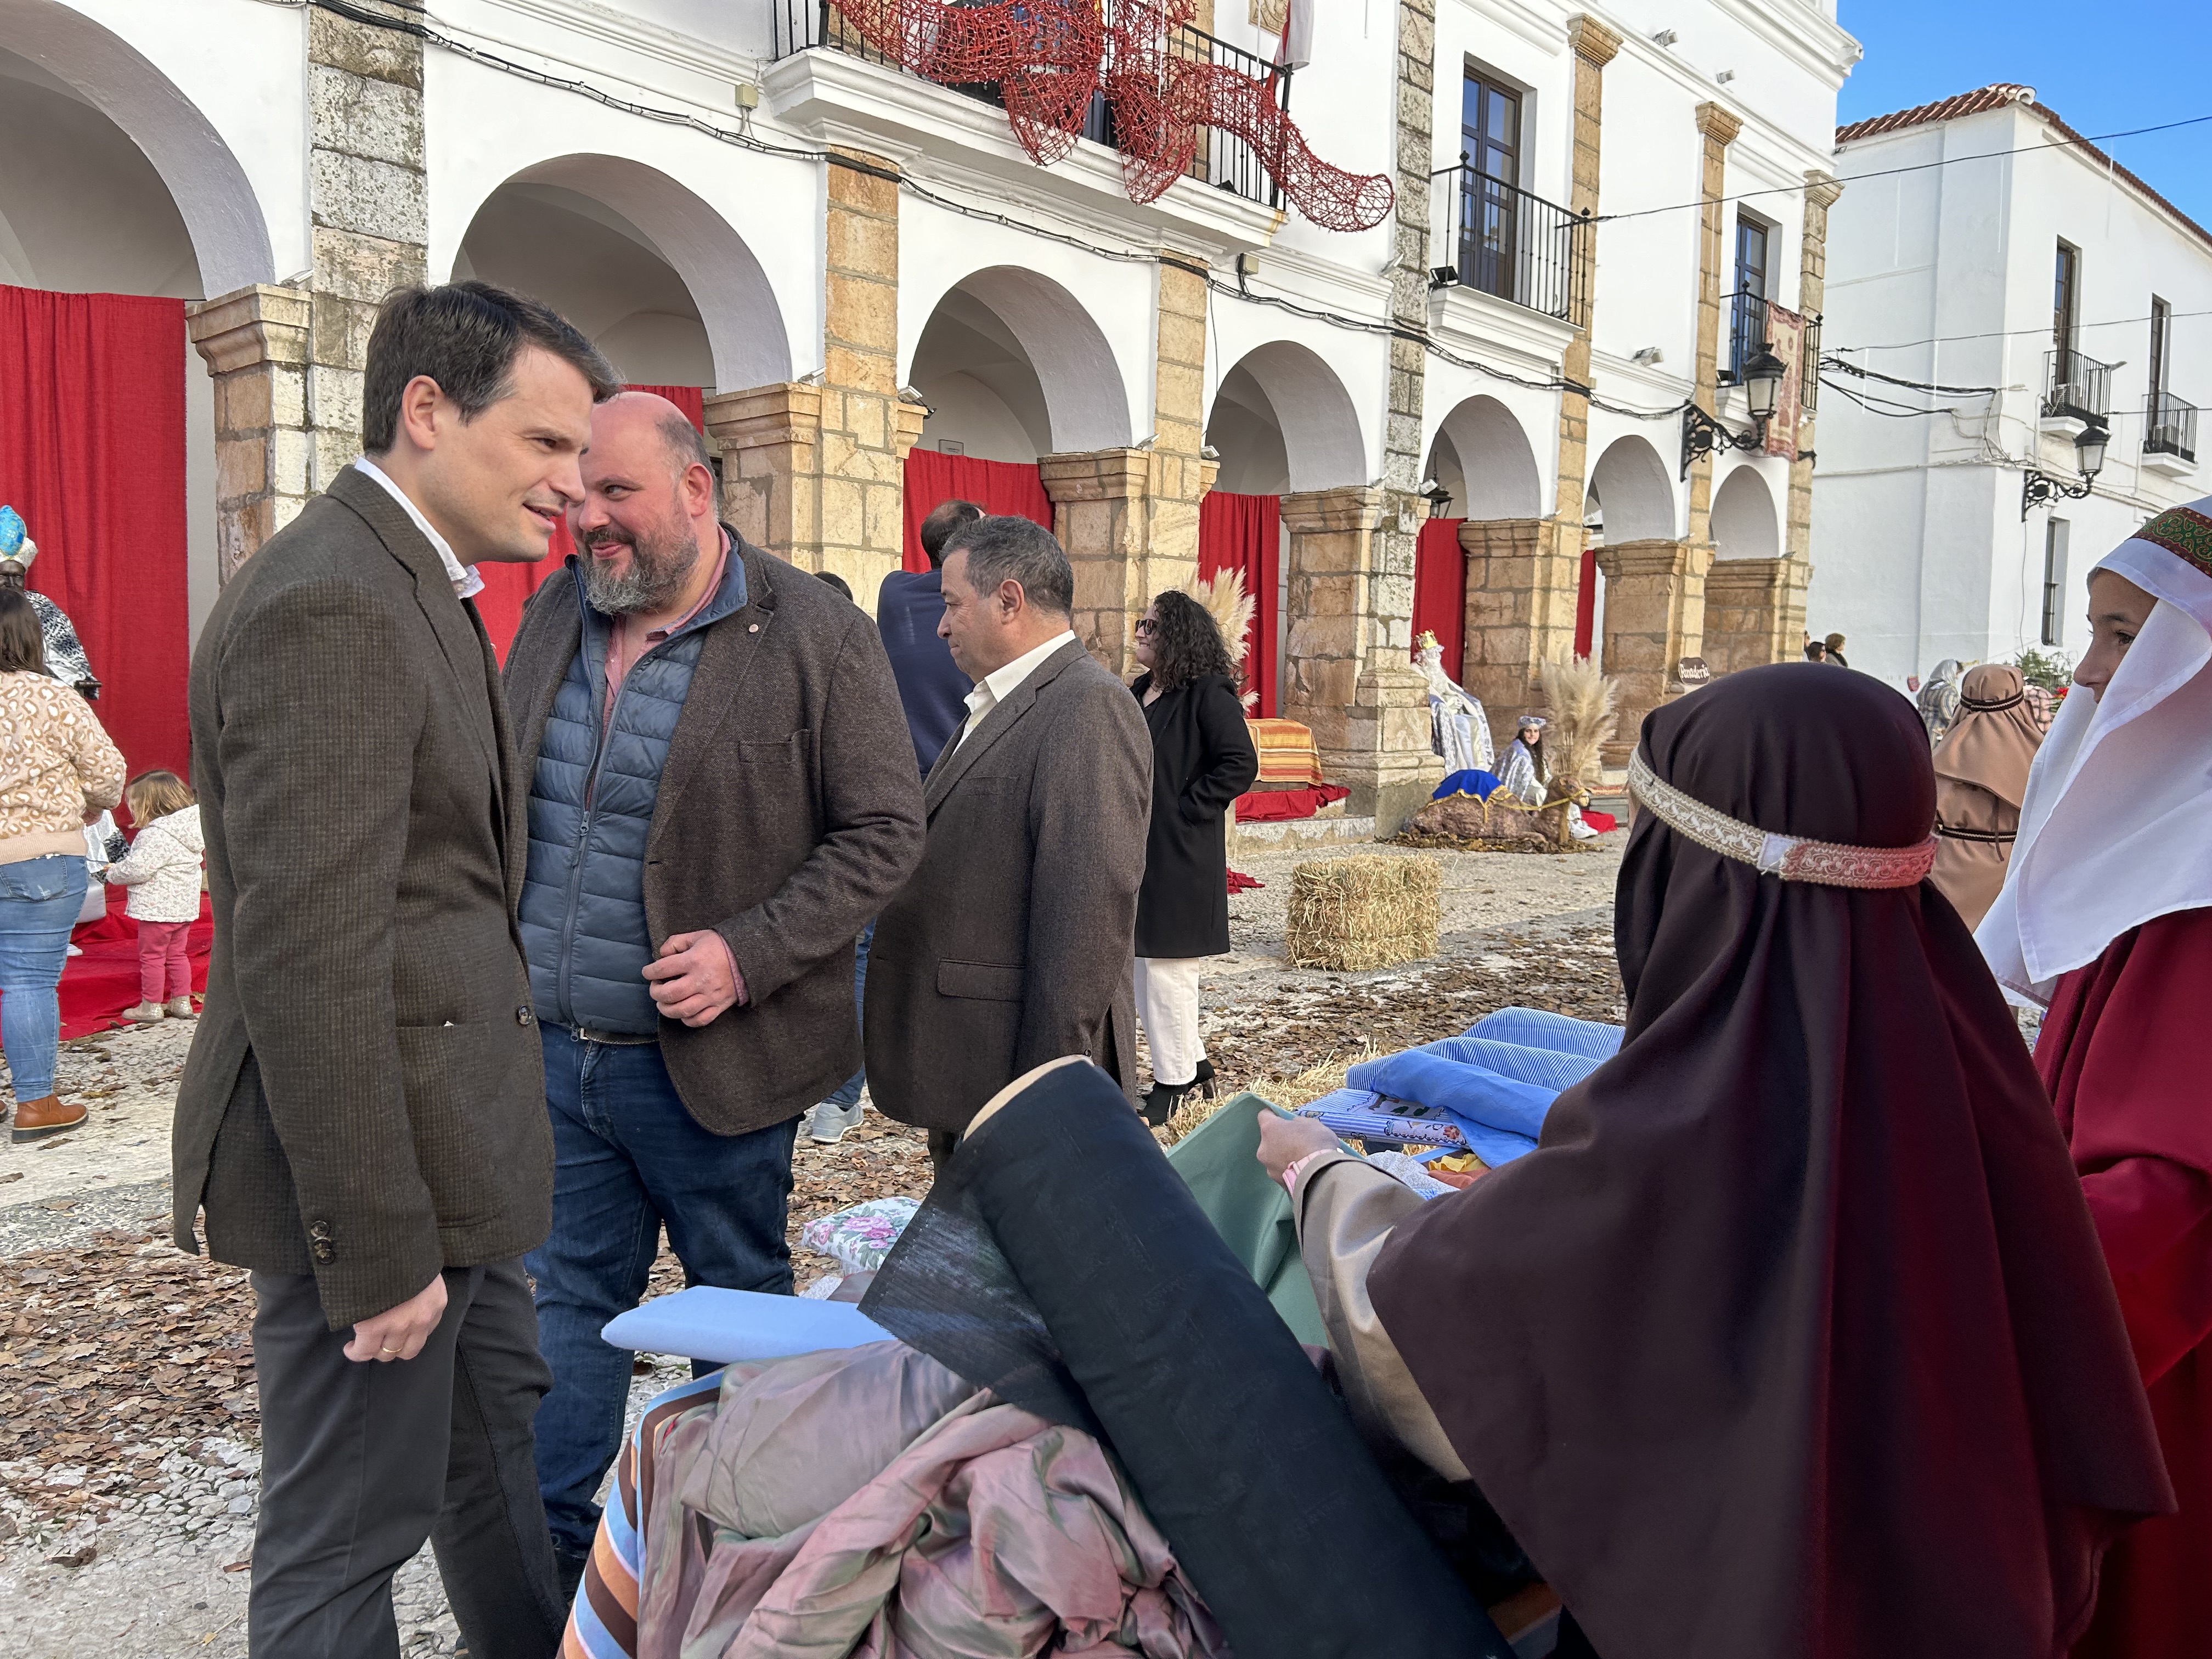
(1244, 533)
(1006, 487)
(507, 587)
(92, 455)
(2125, 1052)
(1273, 805)
(98, 985)
(1440, 589)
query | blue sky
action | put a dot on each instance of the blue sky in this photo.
(2103, 67)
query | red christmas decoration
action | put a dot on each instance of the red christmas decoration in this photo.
(1047, 57)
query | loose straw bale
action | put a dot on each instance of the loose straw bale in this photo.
(1368, 911)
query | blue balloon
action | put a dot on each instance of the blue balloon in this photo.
(11, 533)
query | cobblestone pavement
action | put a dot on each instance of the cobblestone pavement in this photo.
(129, 1430)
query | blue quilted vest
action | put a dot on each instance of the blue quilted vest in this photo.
(591, 799)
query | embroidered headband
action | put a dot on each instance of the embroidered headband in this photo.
(2184, 533)
(1793, 858)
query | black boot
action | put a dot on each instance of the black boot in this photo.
(1161, 1102)
(1203, 1082)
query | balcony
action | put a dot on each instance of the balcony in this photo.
(1223, 160)
(2075, 388)
(1751, 333)
(1505, 242)
(2170, 426)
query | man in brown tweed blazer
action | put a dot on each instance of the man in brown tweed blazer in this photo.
(1013, 944)
(361, 1119)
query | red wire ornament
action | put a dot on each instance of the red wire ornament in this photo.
(1048, 57)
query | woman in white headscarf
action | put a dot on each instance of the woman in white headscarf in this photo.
(2106, 921)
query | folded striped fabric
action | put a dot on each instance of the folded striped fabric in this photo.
(1287, 752)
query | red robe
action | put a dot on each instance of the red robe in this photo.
(2126, 1052)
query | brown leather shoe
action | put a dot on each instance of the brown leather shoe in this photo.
(50, 1116)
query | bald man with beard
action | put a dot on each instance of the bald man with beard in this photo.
(719, 803)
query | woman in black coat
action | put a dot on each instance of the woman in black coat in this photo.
(1202, 759)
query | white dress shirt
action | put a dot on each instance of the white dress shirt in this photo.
(467, 582)
(995, 687)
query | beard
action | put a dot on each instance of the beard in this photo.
(661, 561)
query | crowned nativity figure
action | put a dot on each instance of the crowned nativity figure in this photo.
(1458, 729)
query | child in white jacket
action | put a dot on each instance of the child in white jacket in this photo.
(162, 871)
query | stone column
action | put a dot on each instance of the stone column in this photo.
(1345, 673)
(370, 200)
(813, 470)
(1720, 129)
(1655, 615)
(1129, 518)
(1754, 612)
(256, 345)
(1524, 575)
(1820, 194)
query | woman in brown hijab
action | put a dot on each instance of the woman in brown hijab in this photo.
(1981, 772)
(1791, 1339)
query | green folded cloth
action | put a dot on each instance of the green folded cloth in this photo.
(1220, 1163)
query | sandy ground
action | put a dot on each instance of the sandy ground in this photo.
(130, 1536)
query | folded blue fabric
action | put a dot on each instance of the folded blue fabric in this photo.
(1477, 784)
(1498, 1079)
(706, 1322)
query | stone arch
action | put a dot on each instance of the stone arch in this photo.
(222, 214)
(1053, 370)
(1484, 457)
(1631, 481)
(738, 312)
(1745, 524)
(1312, 415)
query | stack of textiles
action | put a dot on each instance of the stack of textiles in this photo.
(1485, 1091)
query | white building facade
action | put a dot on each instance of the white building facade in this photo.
(850, 260)
(1983, 248)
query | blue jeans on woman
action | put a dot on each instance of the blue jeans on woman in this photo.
(39, 902)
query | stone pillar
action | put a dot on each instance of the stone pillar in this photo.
(813, 470)
(1655, 615)
(1348, 667)
(1820, 194)
(1754, 612)
(1129, 518)
(1720, 129)
(1524, 575)
(256, 345)
(370, 200)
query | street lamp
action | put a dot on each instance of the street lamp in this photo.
(1435, 495)
(1762, 377)
(2039, 489)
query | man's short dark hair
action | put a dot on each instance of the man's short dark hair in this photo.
(465, 336)
(937, 529)
(1000, 547)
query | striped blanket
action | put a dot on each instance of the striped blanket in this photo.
(1287, 753)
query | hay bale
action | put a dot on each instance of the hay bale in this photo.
(1368, 911)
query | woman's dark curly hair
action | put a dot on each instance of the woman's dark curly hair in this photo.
(1186, 643)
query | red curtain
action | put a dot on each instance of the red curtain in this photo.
(1440, 589)
(1244, 532)
(995, 486)
(1586, 603)
(507, 587)
(92, 455)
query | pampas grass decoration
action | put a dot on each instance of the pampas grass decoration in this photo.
(1584, 711)
(1367, 911)
(1233, 610)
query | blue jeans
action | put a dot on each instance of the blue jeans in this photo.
(39, 902)
(848, 1093)
(628, 1157)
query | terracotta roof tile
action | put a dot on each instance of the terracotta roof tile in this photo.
(2000, 95)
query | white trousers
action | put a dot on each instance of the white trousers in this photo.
(1167, 1006)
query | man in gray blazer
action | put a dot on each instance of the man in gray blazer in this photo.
(1013, 943)
(361, 1117)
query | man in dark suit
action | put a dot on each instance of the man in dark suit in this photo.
(361, 1117)
(718, 800)
(1012, 944)
(909, 607)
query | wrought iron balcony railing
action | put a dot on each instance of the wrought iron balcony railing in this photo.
(1505, 241)
(2075, 388)
(1748, 334)
(2170, 426)
(1222, 158)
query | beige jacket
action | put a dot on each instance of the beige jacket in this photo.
(56, 763)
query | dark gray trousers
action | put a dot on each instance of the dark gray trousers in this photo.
(361, 1461)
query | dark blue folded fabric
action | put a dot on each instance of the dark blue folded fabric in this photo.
(1475, 783)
